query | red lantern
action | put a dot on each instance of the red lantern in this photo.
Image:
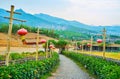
(99, 41)
(88, 44)
(43, 41)
(22, 32)
(51, 46)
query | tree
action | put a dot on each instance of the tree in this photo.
(48, 32)
(49, 41)
(61, 44)
(117, 42)
(4, 27)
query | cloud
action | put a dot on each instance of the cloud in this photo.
(96, 12)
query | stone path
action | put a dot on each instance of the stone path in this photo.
(69, 70)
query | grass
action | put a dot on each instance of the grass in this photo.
(113, 55)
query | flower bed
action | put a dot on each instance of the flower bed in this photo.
(30, 69)
(97, 66)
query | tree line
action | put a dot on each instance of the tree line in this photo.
(48, 32)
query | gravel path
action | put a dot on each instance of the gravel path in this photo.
(69, 70)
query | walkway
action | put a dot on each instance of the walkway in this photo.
(69, 70)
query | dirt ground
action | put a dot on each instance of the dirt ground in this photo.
(16, 43)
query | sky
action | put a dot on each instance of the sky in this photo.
(91, 12)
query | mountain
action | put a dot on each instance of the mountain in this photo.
(69, 25)
(43, 20)
(82, 27)
(52, 19)
(60, 21)
(2, 14)
(46, 21)
(31, 19)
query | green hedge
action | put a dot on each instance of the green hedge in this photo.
(97, 66)
(30, 69)
(16, 56)
(2, 57)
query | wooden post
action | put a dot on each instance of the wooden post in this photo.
(47, 50)
(104, 42)
(76, 46)
(9, 35)
(91, 45)
(50, 52)
(37, 40)
(82, 46)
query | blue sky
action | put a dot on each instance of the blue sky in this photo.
(92, 12)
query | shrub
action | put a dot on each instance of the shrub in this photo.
(2, 57)
(15, 56)
(97, 66)
(30, 69)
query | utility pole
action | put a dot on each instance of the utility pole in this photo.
(104, 42)
(91, 45)
(10, 31)
(37, 44)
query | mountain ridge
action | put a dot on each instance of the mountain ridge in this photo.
(51, 22)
